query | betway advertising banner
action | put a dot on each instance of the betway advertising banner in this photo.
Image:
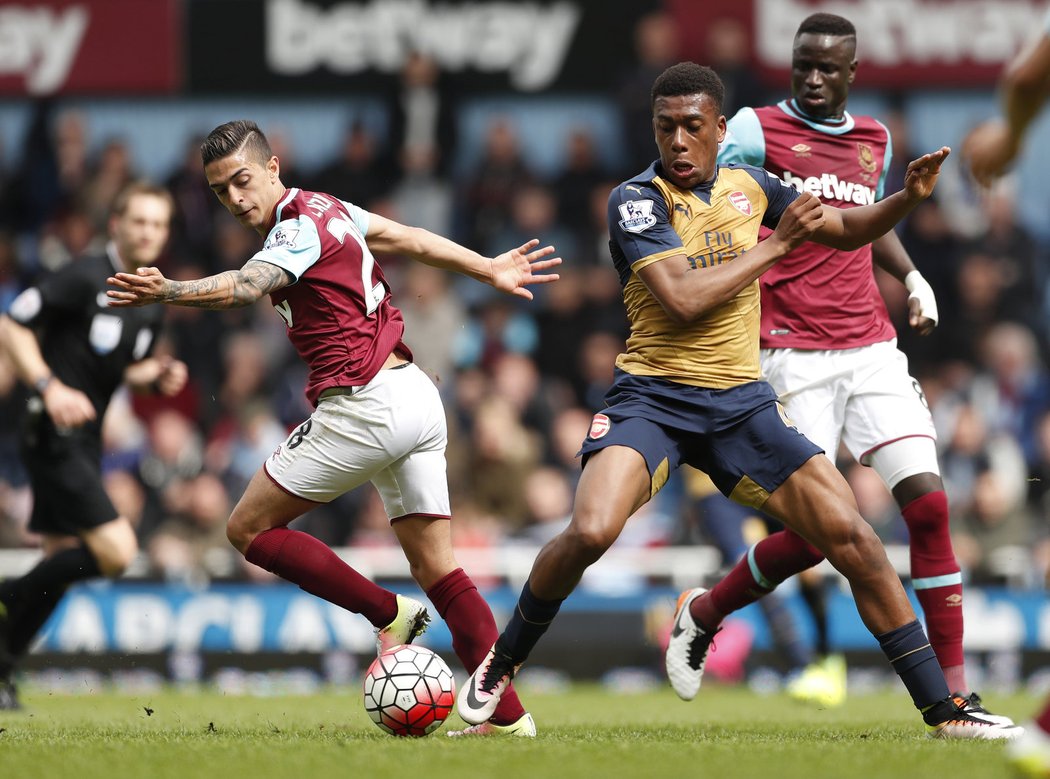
(304, 47)
(901, 44)
(311, 46)
(92, 46)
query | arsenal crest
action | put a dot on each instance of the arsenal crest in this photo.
(740, 202)
(599, 426)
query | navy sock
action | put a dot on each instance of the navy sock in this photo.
(527, 625)
(915, 662)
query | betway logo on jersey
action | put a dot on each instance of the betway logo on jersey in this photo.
(529, 41)
(40, 44)
(831, 187)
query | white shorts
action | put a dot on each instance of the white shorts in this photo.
(863, 397)
(390, 432)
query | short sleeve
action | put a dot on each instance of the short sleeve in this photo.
(293, 245)
(358, 216)
(745, 142)
(639, 224)
(779, 194)
(880, 188)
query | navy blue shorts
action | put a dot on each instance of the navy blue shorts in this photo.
(738, 436)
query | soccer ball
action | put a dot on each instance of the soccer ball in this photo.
(409, 691)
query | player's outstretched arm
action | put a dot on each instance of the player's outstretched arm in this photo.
(991, 147)
(511, 272)
(688, 293)
(229, 289)
(852, 228)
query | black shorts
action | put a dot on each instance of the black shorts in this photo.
(66, 476)
(738, 436)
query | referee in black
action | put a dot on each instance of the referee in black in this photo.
(74, 351)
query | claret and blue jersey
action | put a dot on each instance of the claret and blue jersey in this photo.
(818, 297)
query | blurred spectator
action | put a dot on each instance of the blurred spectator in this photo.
(496, 328)
(548, 500)
(992, 534)
(174, 456)
(421, 197)
(597, 361)
(657, 46)
(581, 173)
(727, 52)
(434, 319)
(111, 173)
(490, 187)
(196, 209)
(53, 166)
(422, 117)
(533, 214)
(501, 453)
(1012, 251)
(1016, 390)
(567, 431)
(190, 544)
(357, 174)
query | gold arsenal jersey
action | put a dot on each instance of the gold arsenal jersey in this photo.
(651, 220)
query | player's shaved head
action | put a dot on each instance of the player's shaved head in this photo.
(829, 24)
(688, 78)
(233, 137)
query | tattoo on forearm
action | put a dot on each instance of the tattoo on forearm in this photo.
(231, 289)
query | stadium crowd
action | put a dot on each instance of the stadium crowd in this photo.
(520, 379)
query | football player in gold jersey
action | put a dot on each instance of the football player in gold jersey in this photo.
(684, 237)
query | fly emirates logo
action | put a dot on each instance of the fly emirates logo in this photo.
(830, 187)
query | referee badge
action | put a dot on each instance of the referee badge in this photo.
(105, 331)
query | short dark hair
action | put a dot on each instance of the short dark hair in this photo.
(688, 78)
(141, 187)
(232, 137)
(827, 24)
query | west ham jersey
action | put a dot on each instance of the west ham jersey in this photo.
(818, 297)
(650, 220)
(337, 310)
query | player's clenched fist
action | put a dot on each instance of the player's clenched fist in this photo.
(801, 219)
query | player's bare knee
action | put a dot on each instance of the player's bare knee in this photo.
(588, 541)
(239, 534)
(114, 560)
(113, 545)
(857, 551)
(241, 529)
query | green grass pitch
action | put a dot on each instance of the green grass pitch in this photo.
(726, 732)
